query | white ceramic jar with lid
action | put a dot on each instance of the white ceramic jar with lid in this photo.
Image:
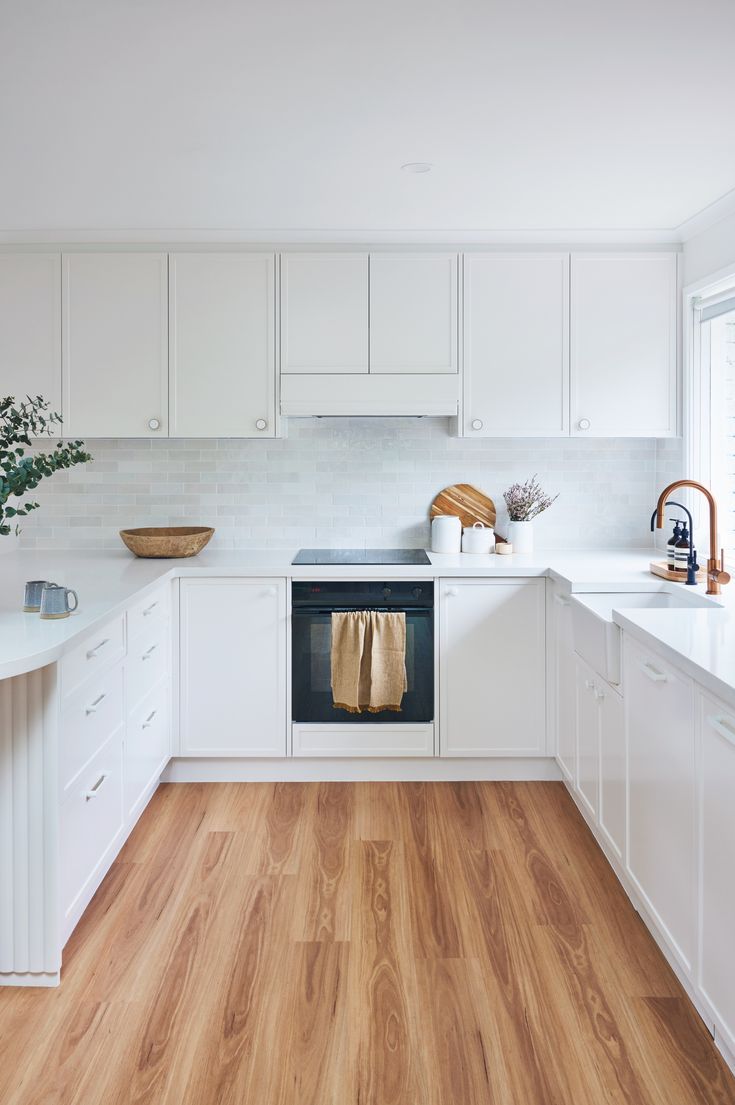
(478, 539)
(446, 533)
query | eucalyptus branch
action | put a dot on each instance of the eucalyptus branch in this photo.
(21, 472)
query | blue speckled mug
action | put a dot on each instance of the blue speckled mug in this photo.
(55, 601)
(34, 590)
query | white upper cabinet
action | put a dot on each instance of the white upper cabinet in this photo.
(115, 345)
(222, 344)
(516, 345)
(324, 312)
(413, 312)
(30, 326)
(492, 667)
(623, 344)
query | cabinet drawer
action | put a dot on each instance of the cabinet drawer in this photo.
(148, 662)
(89, 717)
(96, 651)
(153, 609)
(147, 744)
(91, 819)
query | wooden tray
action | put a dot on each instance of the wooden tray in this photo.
(467, 502)
(661, 568)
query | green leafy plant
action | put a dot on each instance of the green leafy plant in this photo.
(21, 472)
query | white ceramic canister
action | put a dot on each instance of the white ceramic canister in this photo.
(478, 539)
(446, 533)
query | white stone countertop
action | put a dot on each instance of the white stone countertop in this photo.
(701, 641)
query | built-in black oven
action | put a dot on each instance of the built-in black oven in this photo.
(312, 607)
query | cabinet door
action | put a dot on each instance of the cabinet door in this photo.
(115, 347)
(324, 312)
(233, 667)
(516, 345)
(564, 669)
(659, 704)
(623, 345)
(492, 675)
(717, 848)
(612, 814)
(222, 342)
(588, 738)
(147, 747)
(30, 326)
(413, 312)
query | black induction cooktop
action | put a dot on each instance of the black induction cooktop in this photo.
(361, 556)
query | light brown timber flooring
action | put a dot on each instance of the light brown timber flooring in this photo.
(360, 944)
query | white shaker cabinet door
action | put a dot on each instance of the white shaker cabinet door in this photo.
(413, 313)
(613, 808)
(222, 342)
(492, 667)
(115, 345)
(324, 312)
(623, 345)
(516, 345)
(717, 849)
(30, 326)
(588, 738)
(563, 669)
(233, 667)
(659, 706)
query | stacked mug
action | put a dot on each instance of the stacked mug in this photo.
(50, 600)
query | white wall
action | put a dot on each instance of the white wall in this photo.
(710, 251)
(342, 482)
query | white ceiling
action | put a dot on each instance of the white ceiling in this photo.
(296, 115)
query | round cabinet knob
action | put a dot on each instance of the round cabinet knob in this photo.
(261, 424)
(584, 423)
(451, 592)
(154, 423)
(476, 423)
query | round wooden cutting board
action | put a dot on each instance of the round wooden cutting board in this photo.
(467, 502)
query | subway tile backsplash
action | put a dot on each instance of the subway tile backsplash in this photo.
(345, 482)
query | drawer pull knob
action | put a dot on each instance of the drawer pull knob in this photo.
(92, 652)
(651, 673)
(149, 609)
(149, 652)
(149, 720)
(92, 708)
(452, 592)
(94, 791)
(723, 725)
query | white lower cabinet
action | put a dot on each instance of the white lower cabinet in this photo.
(233, 667)
(659, 703)
(563, 677)
(613, 800)
(716, 851)
(588, 738)
(92, 824)
(492, 667)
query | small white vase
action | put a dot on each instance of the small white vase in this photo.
(520, 535)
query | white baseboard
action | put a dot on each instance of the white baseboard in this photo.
(181, 770)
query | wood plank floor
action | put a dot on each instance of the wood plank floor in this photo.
(360, 944)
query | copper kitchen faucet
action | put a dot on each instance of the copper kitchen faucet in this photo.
(716, 574)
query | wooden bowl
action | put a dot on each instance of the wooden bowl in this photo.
(167, 541)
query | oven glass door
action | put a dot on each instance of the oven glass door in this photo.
(311, 671)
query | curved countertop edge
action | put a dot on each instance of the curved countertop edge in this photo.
(110, 581)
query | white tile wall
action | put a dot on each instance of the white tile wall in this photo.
(342, 482)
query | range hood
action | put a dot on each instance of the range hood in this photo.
(371, 394)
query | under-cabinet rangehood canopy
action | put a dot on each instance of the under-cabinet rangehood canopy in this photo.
(375, 394)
